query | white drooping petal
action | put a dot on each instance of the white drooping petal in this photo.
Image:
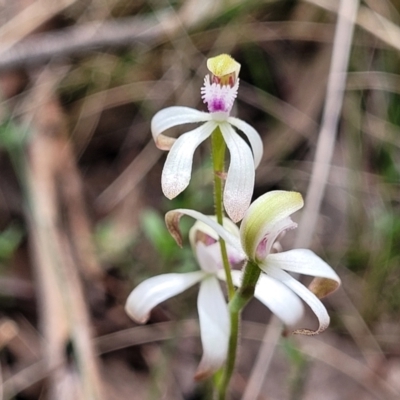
(313, 302)
(253, 137)
(279, 299)
(178, 166)
(275, 295)
(214, 327)
(264, 216)
(240, 178)
(170, 117)
(207, 259)
(155, 290)
(303, 261)
(172, 221)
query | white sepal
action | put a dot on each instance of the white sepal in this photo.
(201, 227)
(155, 290)
(178, 166)
(172, 221)
(313, 302)
(273, 294)
(303, 261)
(239, 183)
(170, 117)
(279, 299)
(214, 327)
(253, 137)
(208, 260)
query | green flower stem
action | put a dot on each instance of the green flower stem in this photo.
(236, 305)
(251, 273)
(218, 158)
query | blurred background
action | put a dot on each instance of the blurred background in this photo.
(82, 212)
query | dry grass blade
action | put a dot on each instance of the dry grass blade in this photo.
(25, 378)
(310, 84)
(358, 329)
(28, 20)
(145, 334)
(381, 129)
(314, 348)
(380, 27)
(78, 39)
(376, 80)
(330, 119)
(374, 23)
(263, 361)
(63, 308)
(348, 365)
(131, 176)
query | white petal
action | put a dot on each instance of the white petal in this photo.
(173, 116)
(239, 183)
(172, 221)
(303, 261)
(214, 327)
(265, 217)
(178, 166)
(314, 303)
(208, 260)
(279, 299)
(253, 136)
(155, 290)
(273, 294)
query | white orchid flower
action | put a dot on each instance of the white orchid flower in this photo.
(265, 219)
(211, 304)
(276, 296)
(219, 92)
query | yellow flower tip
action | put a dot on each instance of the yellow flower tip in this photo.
(296, 197)
(224, 69)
